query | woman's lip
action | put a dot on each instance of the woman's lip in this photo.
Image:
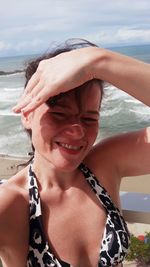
(69, 148)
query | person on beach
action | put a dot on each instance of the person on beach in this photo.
(71, 184)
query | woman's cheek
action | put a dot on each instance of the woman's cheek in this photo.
(51, 128)
(93, 132)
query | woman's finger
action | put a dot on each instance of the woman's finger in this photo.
(34, 103)
(32, 83)
(26, 98)
(24, 102)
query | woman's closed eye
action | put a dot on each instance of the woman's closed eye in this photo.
(90, 119)
(62, 115)
(58, 114)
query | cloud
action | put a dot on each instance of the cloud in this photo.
(141, 35)
(120, 36)
(27, 26)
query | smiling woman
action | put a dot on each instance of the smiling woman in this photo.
(71, 185)
(62, 126)
(60, 106)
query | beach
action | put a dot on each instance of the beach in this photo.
(9, 166)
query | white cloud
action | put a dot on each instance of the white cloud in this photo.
(120, 36)
(134, 35)
(33, 24)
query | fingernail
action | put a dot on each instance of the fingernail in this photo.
(24, 111)
(14, 109)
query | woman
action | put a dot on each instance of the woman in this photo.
(72, 220)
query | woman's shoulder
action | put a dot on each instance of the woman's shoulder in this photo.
(14, 206)
(16, 184)
(13, 194)
(120, 155)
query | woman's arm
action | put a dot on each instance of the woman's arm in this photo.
(122, 155)
(71, 69)
(126, 73)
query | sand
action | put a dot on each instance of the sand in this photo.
(138, 184)
(141, 184)
(10, 165)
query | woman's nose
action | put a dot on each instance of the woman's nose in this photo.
(75, 131)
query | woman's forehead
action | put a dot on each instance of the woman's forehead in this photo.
(82, 96)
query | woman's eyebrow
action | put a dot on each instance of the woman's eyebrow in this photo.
(63, 105)
(95, 112)
(67, 106)
(58, 105)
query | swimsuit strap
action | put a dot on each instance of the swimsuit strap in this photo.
(99, 190)
(116, 237)
(39, 251)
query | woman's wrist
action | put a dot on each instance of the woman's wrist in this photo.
(95, 62)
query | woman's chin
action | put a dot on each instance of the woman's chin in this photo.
(66, 166)
(66, 163)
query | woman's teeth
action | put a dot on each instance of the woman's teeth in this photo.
(70, 146)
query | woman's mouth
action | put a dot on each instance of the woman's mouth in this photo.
(69, 147)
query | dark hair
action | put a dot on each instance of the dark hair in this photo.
(69, 45)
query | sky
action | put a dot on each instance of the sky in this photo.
(31, 26)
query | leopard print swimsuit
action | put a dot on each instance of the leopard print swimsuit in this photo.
(116, 238)
(115, 241)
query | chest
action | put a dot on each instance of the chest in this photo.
(74, 228)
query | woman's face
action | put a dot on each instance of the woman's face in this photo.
(64, 134)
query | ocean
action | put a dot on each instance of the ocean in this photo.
(120, 112)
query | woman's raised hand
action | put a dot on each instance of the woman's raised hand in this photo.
(56, 75)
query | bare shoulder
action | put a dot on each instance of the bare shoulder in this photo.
(16, 185)
(122, 155)
(13, 204)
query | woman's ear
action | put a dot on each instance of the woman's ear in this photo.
(26, 120)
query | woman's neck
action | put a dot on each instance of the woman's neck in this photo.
(49, 176)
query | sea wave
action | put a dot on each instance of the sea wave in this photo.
(9, 89)
(134, 101)
(8, 113)
(9, 95)
(7, 73)
(111, 112)
(138, 112)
